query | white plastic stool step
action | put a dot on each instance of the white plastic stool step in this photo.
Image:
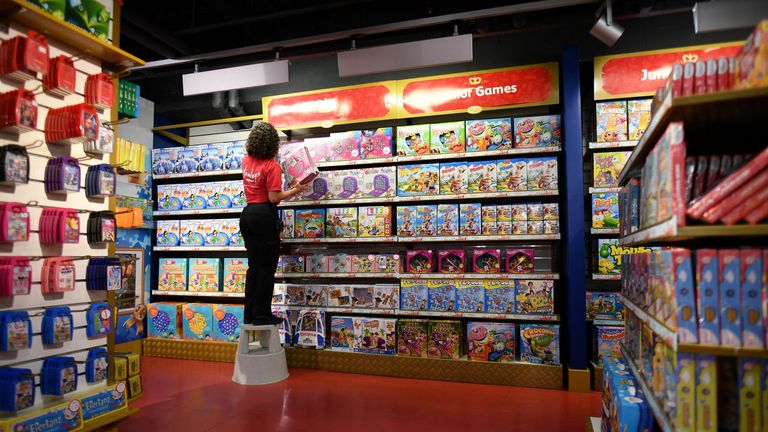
(260, 359)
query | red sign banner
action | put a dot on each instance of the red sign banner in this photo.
(375, 101)
(640, 74)
(494, 89)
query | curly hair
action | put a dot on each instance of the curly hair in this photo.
(263, 141)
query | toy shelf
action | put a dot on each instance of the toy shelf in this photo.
(612, 145)
(665, 333)
(594, 190)
(669, 232)
(400, 199)
(199, 248)
(523, 276)
(603, 231)
(196, 174)
(731, 108)
(372, 201)
(336, 275)
(233, 210)
(358, 162)
(415, 313)
(661, 417)
(471, 155)
(723, 351)
(32, 16)
(481, 238)
(219, 294)
(605, 277)
(391, 239)
(606, 322)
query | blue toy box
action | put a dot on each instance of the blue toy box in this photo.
(470, 219)
(162, 163)
(730, 297)
(342, 333)
(309, 223)
(481, 176)
(406, 221)
(197, 319)
(442, 295)
(708, 296)
(447, 219)
(414, 294)
(426, 220)
(211, 158)
(310, 329)
(418, 179)
(540, 344)
(227, 322)
(168, 233)
(169, 197)
(192, 232)
(486, 135)
(164, 320)
(187, 159)
(470, 295)
(607, 343)
(500, 296)
(752, 312)
(233, 155)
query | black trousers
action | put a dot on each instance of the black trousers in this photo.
(259, 226)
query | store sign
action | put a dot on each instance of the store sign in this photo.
(489, 89)
(104, 402)
(375, 101)
(640, 74)
(65, 417)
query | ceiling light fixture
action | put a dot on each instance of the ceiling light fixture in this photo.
(728, 15)
(254, 75)
(606, 30)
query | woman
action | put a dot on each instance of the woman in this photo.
(259, 222)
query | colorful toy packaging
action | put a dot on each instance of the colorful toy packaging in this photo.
(345, 184)
(191, 233)
(470, 295)
(605, 210)
(608, 256)
(493, 134)
(426, 222)
(289, 222)
(447, 138)
(374, 221)
(197, 321)
(481, 176)
(611, 121)
(386, 296)
(500, 296)
(419, 261)
(211, 157)
(286, 335)
(451, 261)
(441, 295)
(540, 131)
(375, 335)
(453, 178)
(168, 197)
(639, 117)
(488, 219)
(751, 414)
(319, 148)
(470, 219)
(362, 296)
(752, 314)
(504, 219)
(340, 296)
(751, 60)
(310, 223)
(520, 260)
(342, 333)
(708, 296)
(406, 221)
(233, 155)
(607, 166)
(418, 180)
(661, 193)
(362, 263)
(341, 222)
(167, 233)
(233, 278)
(412, 335)
(607, 340)
(542, 173)
(186, 159)
(298, 166)
(444, 339)
(604, 305)
(493, 342)
(310, 329)
(447, 219)
(413, 140)
(379, 182)
(512, 175)
(321, 188)
(204, 274)
(295, 294)
(376, 143)
(540, 344)
(172, 274)
(414, 294)
(730, 295)
(534, 297)
(316, 295)
(295, 264)
(706, 393)
(344, 146)
(386, 263)
(486, 260)
(164, 320)
(227, 322)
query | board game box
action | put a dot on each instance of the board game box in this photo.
(608, 256)
(340, 263)
(227, 320)
(512, 175)
(606, 167)
(168, 233)
(339, 296)
(504, 219)
(164, 320)
(486, 260)
(426, 220)
(418, 179)
(534, 211)
(444, 339)
(481, 176)
(412, 335)
(386, 296)
(493, 342)
(169, 197)
(730, 297)
(451, 261)
(639, 117)
(310, 329)
(447, 219)
(342, 333)
(345, 184)
(287, 217)
(211, 157)
(607, 343)
(319, 148)
(309, 223)
(492, 134)
(605, 210)
(374, 221)
(470, 219)
(752, 313)
(470, 295)
(604, 305)
(611, 121)
(538, 131)
(542, 173)
(234, 274)
(362, 263)
(317, 295)
(708, 296)
(321, 188)
(419, 261)
(442, 295)
(204, 274)
(535, 296)
(413, 140)
(344, 146)
(447, 138)
(500, 296)
(362, 296)
(376, 143)
(379, 182)
(341, 222)
(406, 221)
(197, 321)
(453, 178)
(488, 219)
(414, 294)
(172, 274)
(520, 261)
(298, 166)
(386, 263)
(295, 294)
(540, 344)
(233, 155)
(375, 335)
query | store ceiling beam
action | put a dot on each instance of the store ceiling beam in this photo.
(372, 30)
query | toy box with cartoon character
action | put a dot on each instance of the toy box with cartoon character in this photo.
(233, 279)
(197, 321)
(608, 256)
(706, 393)
(168, 233)
(708, 296)
(298, 166)
(344, 146)
(310, 329)
(493, 342)
(406, 221)
(611, 121)
(605, 210)
(172, 274)
(512, 175)
(215, 232)
(492, 134)
(444, 340)
(499, 296)
(730, 297)
(340, 296)
(442, 295)
(551, 226)
(295, 294)
(386, 263)
(607, 166)
(412, 335)
(604, 305)
(169, 197)
(376, 143)
(426, 220)
(488, 219)
(278, 294)
(540, 344)
(319, 148)
(374, 221)
(752, 314)
(345, 184)
(379, 182)
(232, 228)
(211, 157)
(288, 220)
(519, 260)
(362, 263)
(234, 152)
(534, 211)
(504, 219)
(451, 261)
(481, 176)
(447, 138)
(414, 294)
(161, 161)
(447, 219)
(190, 232)
(362, 296)
(227, 322)
(639, 117)
(534, 297)
(419, 261)
(453, 178)
(607, 342)
(340, 263)
(551, 211)
(309, 223)
(294, 264)
(470, 295)
(284, 329)
(316, 295)
(375, 335)
(542, 173)
(203, 274)
(186, 159)
(342, 333)
(751, 415)
(164, 320)
(386, 296)
(751, 59)
(418, 179)
(486, 260)
(237, 194)
(470, 219)
(538, 131)
(413, 140)
(341, 222)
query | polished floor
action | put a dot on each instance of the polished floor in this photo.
(191, 396)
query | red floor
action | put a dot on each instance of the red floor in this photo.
(194, 396)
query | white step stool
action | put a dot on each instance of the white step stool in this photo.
(260, 358)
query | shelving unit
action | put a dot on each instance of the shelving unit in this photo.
(660, 329)
(670, 232)
(606, 277)
(611, 145)
(403, 199)
(603, 231)
(227, 211)
(515, 237)
(521, 276)
(658, 413)
(337, 275)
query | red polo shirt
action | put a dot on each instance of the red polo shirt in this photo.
(261, 176)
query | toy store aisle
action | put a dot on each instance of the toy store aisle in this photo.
(200, 396)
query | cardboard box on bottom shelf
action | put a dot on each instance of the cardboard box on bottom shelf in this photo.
(494, 342)
(197, 319)
(227, 322)
(342, 333)
(444, 339)
(375, 335)
(310, 329)
(412, 336)
(540, 344)
(164, 320)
